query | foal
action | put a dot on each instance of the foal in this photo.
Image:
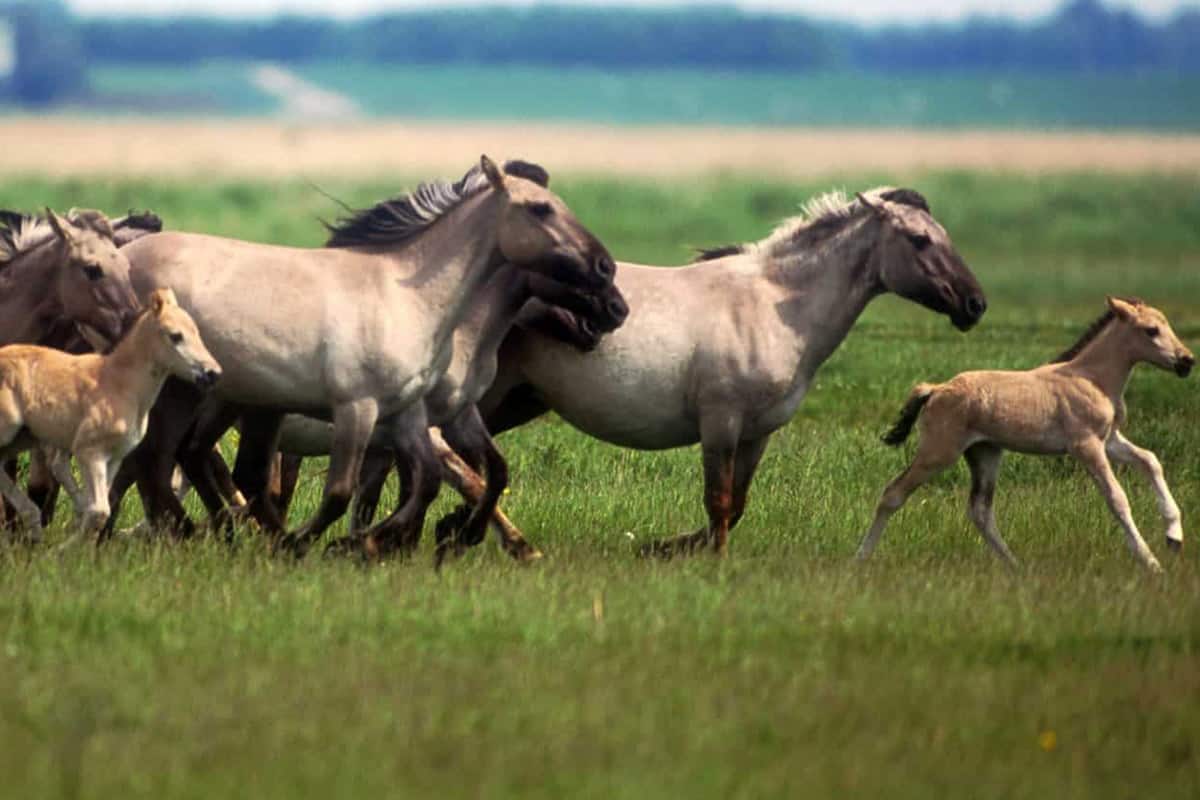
(94, 406)
(1072, 405)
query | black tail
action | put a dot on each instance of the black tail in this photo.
(908, 415)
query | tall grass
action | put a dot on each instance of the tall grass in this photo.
(151, 669)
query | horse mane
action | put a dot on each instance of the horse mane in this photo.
(402, 218)
(1089, 335)
(820, 217)
(21, 232)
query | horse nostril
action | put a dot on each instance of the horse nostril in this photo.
(617, 309)
(976, 305)
(605, 268)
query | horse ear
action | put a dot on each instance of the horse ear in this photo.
(1122, 308)
(876, 207)
(494, 175)
(60, 226)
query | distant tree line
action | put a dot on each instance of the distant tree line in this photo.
(1082, 35)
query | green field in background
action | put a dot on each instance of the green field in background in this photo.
(151, 669)
(1150, 101)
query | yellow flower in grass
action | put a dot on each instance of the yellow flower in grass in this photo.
(1048, 741)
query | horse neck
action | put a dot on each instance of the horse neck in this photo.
(450, 263)
(1106, 362)
(28, 299)
(131, 370)
(491, 315)
(830, 284)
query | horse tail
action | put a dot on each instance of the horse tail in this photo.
(908, 415)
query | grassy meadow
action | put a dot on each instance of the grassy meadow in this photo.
(153, 669)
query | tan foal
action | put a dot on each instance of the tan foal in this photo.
(94, 406)
(1073, 405)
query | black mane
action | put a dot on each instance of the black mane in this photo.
(713, 253)
(1091, 333)
(907, 197)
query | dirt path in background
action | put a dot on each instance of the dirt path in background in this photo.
(80, 147)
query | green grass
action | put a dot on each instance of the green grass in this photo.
(151, 669)
(1149, 100)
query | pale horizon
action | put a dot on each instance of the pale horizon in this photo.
(862, 11)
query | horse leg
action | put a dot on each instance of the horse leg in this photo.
(41, 486)
(252, 468)
(352, 426)
(932, 457)
(984, 460)
(289, 475)
(376, 466)
(402, 529)
(467, 434)
(467, 481)
(203, 465)
(719, 433)
(169, 423)
(30, 514)
(1126, 452)
(222, 477)
(1091, 453)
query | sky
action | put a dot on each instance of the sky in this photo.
(868, 11)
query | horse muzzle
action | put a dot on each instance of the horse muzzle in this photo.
(1184, 364)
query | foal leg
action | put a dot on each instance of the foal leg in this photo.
(931, 459)
(984, 460)
(352, 426)
(1091, 454)
(59, 462)
(1124, 451)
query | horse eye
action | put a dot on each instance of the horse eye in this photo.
(1151, 331)
(93, 272)
(919, 240)
(541, 210)
(176, 337)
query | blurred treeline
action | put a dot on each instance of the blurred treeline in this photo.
(1081, 35)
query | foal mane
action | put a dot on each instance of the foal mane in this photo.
(1089, 335)
(819, 217)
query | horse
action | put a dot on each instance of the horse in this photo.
(57, 272)
(93, 406)
(724, 350)
(1074, 405)
(359, 330)
(58, 276)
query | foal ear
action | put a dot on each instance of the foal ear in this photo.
(161, 298)
(1122, 308)
(494, 175)
(60, 226)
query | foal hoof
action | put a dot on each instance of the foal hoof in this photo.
(525, 553)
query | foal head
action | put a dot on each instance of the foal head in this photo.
(92, 280)
(1147, 336)
(538, 232)
(915, 258)
(175, 342)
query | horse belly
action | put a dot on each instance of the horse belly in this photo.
(616, 401)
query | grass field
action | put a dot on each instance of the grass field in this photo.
(1146, 101)
(157, 670)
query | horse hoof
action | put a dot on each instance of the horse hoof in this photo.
(1175, 545)
(525, 553)
(290, 547)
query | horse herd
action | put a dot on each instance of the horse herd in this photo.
(433, 321)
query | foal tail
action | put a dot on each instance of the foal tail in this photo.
(908, 415)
